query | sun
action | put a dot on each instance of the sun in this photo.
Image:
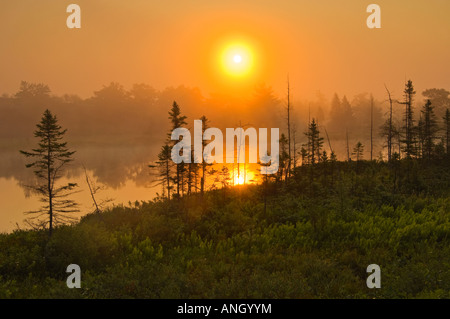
(237, 60)
(239, 180)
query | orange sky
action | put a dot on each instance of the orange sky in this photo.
(323, 45)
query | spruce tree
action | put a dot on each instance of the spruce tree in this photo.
(358, 151)
(177, 120)
(165, 167)
(204, 164)
(410, 130)
(50, 158)
(428, 129)
(284, 157)
(315, 142)
(447, 130)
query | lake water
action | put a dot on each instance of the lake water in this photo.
(122, 172)
(121, 168)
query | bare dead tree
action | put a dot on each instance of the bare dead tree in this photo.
(371, 127)
(93, 190)
(348, 148)
(289, 128)
(390, 133)
(294, 147)
(329, 143)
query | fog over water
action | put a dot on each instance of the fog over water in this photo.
(122, 178)
(118, 132)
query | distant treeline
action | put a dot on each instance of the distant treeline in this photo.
(115, 111)
(116, 115)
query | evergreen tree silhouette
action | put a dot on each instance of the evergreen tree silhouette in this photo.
(51, 156)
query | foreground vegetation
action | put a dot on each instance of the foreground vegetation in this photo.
(311, 236)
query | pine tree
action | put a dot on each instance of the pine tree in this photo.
(315, 142)
(191, 173)
(428, 130)
(447, 130)
(165, 166)
(284, 157)
(335, 124)
(204, 164)
(324, 157)
(420, 137)
(358, 151)
(409, 128)
(51, 156)
(304, 154)
(177, 121)
(347, 118)
(225, 178)
(333, 161)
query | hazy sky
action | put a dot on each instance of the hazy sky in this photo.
(323, 45)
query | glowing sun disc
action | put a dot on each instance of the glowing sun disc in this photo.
(237, 60)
